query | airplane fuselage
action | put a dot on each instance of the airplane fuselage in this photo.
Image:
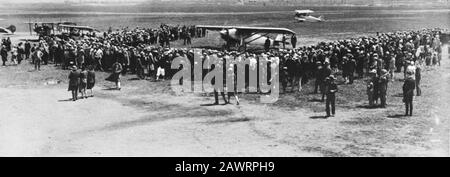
(309, 18)
(232, 35)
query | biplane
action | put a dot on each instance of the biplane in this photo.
(46, 28)
(241, 36)
(63, 28)
(305, 16)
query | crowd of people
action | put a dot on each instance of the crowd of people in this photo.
(136, 51)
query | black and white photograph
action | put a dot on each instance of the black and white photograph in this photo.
(224, 78)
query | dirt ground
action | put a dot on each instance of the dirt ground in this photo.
(147, 119)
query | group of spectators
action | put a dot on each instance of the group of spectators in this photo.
(23, 51)
(377, 58)
(162, 35)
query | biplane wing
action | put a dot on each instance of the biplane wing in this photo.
(304, 11)
(85, 28)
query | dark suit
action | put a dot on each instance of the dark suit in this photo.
(408, 94)
(74, 81)
(27, 50)
(331, 97)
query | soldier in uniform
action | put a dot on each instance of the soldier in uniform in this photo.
(74, 81)
(331, 96)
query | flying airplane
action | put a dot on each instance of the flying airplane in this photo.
(305, 16)
(242, 35)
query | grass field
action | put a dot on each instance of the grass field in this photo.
(293, 126)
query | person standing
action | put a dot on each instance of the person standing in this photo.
(325, 73)
(98, 55)
(188, 39)
(232, 75)
(318, 75)
(408, 95)
(27, 49)
(4, 54)
(80, 57)
(83, 82)
(351, 69)
(294, 41)
(74, 80)
(267, 45)
(115, 76)
(418, 76)
(220, 67)
(37, 57)
(20, 53)
(91, 80)
(331, 96)
(383, 85)
(371, 87)
(392, 66)
(14, 54)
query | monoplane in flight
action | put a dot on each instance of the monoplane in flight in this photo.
(305, 16)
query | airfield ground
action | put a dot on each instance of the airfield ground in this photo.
(146, 118)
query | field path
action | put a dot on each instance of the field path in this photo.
(44, 122)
